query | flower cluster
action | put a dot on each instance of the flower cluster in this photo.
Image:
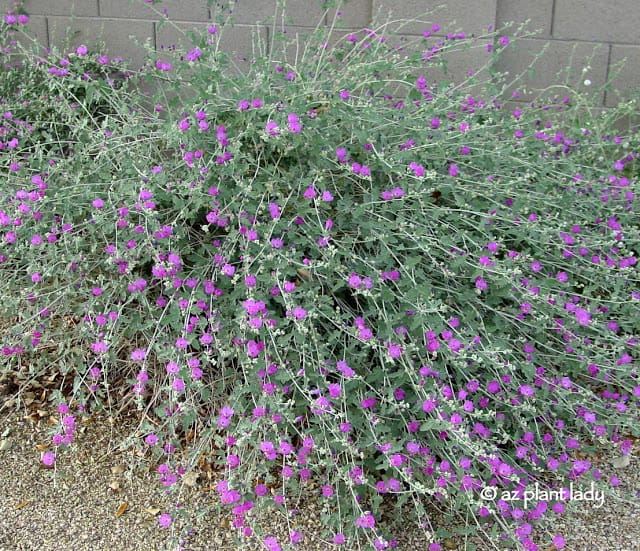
(399, 295)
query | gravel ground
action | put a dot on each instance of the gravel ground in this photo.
(80, 504)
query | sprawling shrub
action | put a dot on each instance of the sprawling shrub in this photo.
(339, 273)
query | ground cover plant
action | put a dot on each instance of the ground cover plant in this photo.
(337, 275)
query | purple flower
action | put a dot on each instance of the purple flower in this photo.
(582, 316)
(254, 348)
(138, 355)
(194, 54)
(429, 405)
(48, 459)
(366, 521)
(254, 307)
(294, 123)
(455, 345)
(327, 491)
(417, 169)
(99, 347)
(526, 390)
(367, 403)
(558, 541)
(182, 343)
(268, 449)
(228, 497)
(396, 460)
(228, 270)
(227, 411)
(339, 539)
(394, 350)
(271, 543)
(299, 313)
(345, 369)
(271, 128)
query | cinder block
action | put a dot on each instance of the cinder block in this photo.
(304, 13)
(627, 124)
(78, 8)
(461, 66)
(183, 10)
(236, 40)
(32, 36)
(339, 38)
(538, 13)
(174, 34)
(455, 15)
(351, 13)
(461, 61)
(578, 113)
(597, 21)
(292, 44)
(169, 37)
(332, 39)
(560, 65)
(625, 79)
(239, 40)
(36, 29)
(114, 32)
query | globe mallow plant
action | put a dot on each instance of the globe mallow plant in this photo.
(342, 279)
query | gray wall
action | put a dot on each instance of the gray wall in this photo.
(578, 33)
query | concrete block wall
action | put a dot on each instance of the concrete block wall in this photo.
(589, 37)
